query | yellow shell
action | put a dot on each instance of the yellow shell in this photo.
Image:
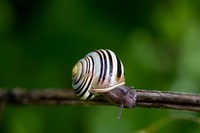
(98, 72)
(74, 71)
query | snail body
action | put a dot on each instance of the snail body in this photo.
(101, 72)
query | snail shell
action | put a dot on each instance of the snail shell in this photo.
(98, 72)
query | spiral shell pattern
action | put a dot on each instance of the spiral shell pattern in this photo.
(98, 72)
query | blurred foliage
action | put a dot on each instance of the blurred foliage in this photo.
(40, 41)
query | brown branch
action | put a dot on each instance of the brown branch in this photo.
(145, 98)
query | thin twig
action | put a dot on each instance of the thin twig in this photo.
(145, 98)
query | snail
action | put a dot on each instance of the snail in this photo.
(101, 72)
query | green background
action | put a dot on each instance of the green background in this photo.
(157, 41)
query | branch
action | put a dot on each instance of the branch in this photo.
(145, 98)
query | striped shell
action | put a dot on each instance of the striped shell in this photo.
(98, 72)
